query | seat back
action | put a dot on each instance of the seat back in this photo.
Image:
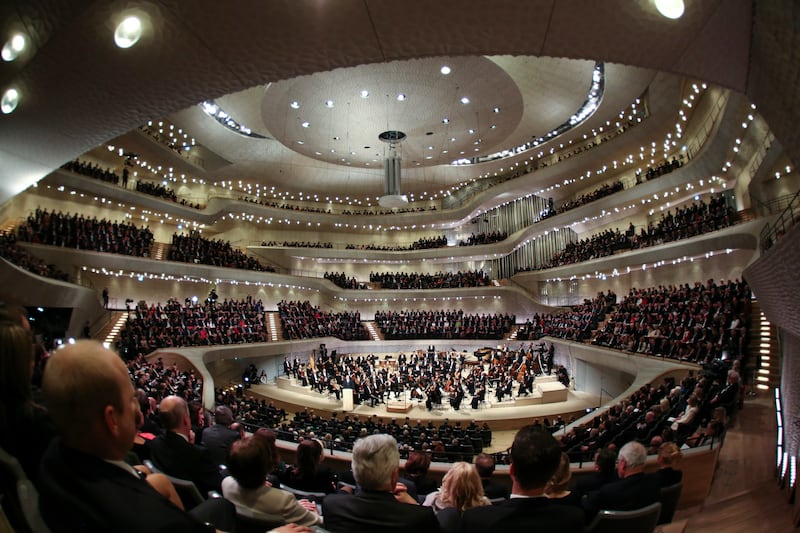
(257, 522)
(642, 520)
(187, 491)
(669, 502)
(18, 496)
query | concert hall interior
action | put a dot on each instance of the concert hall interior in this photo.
(473, 212)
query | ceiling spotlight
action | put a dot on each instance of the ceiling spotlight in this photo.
(329, 103)
(401, 97)
(364, 93)
(445, 70)
(128, 32)
(445, 120)
(672, 9)
(464, 100)
(496, 110)
(295, 104)
(14, 47)
(305, 124)
(9, 101)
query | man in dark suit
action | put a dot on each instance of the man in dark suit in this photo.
(175, 453)
(633, 490)
(85, 485)
(484, 464)
(218, 438)
(381, 504)
(535, 455)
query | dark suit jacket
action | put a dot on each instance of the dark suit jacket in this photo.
(523, 514)
(81, 493)
(494, 490)
(175, 456)
(217, 440)
(375, 511)
(627, 494)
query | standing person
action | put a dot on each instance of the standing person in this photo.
(381, 504)
(105, 297)
(535, 455)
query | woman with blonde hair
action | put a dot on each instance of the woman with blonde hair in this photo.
(461, 490)
(669, 455)
(557, 489)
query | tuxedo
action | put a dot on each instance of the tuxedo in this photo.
(521, 514)
(82, 493)
(375, 511)
(175, 456)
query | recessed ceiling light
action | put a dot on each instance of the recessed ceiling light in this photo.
(9, 101)
(445, 70)
(672, 9)
(445, 120)
(295, 105)
(471, 131)
(401, 97)
(496, 110)
(364, 93)
(300, 142)
(328, 103)
(305, 124)
(464, 100)
(14, 47)
(128, 32)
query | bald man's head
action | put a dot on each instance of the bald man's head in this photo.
(90, 397)
(174, 413)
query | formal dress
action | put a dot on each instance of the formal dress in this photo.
(268, 500)
(174, 455)
(375, 511)
(81, 493)
(524, 514)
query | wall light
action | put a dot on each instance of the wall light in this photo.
(128, 32)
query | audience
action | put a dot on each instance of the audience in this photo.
(558, 488)
(484, 238)
(251, 461)
(416, 471)
(461, 490)
(85, 484)
(535, 456)
(196, 249)
(440, 280)
(484, 465)
(218, 438)
(669, 456)
(380, 504)
(19, 256)
(308, 474)
(442, 324)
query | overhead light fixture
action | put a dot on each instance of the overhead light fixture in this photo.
(364, 93)
(305, 124)
(295, 104)
(464, 100)
(14, 47)
(128, 32)
(445, 70)
(9, 101)
(401, 97)
(329, 103)
(671, 9)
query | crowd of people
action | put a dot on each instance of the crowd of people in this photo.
(577, 324)
(77, 231)
(440, 280)
(340, 279)
(664, 168)
(442, 324)
(193, 248)
(698, 323)
(301, 320)
(298, 244)
(201, 323)
(484, 238)
(607, 189)
(689, 221)
(424, 243)
(19, 256)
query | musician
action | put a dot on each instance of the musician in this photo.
(287, 368)
(455, 400)
(551, 353)
(480, 396)
(335, 388)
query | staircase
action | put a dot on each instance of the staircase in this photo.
(110, 332)
(763, 370)
(373, 330)
(513, 334)
(272, 322)
(159, 250)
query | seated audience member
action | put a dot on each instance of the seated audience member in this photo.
(251, 460)
(218, 438)
(381, 504)
(668, 457)
(416, 470)
(484, 464)
(461, 490)
(174, 450)
(25, 427)
(557, 488)
(535, 456)
(633, 490)
(308, 474)
(605, 463)
(85, 485)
